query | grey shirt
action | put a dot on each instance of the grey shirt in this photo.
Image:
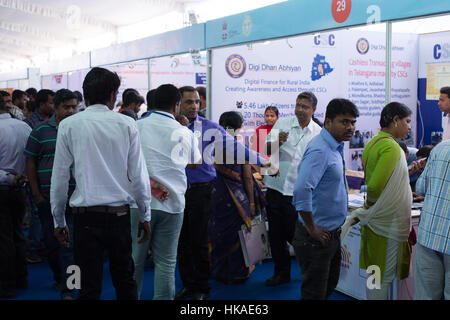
(14, 136)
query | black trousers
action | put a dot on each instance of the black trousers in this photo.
(193, 250)
(320, 266)
(13, 266)
(282, 216)
(94, 233)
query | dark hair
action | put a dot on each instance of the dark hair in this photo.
(403, 146)
(391, 110)
(79, 96)
(32, 92)
(308, 96)
(201, 91)
(317, 121)
(31, 106)
(151, 99)
(2, 104)
(98, 85)
(231, 120)
(130, 96)
(17, 94)
(445, 90)
(186, 89)
(424, 152)
(166, 96)
(42, 96)
(63, 95)
(272, 108)
(340, 106)
(4, 93)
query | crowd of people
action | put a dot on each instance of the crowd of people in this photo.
(171, 184)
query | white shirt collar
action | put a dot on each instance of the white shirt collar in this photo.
(309, 127)
(96, 107)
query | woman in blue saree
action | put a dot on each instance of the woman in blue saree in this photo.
(236, 199)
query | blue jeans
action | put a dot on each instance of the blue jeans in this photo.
(34, 235)
(59, 257)
(165, 232)
(431, 274)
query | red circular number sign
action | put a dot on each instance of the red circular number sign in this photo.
(340, 9)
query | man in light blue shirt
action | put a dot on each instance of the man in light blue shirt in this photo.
(320, 198)
(432, 260)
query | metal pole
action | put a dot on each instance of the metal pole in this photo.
(208, 84)
(388, 61)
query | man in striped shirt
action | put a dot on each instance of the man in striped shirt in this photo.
(40, 153)
(432, 260)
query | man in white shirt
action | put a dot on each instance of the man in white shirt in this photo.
(168, 147)
(110, 173)
(292, 134)
(444, 105)
(13, 266)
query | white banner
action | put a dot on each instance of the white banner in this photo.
(181, 70)
(341, 64)
(75, 80)
(132, 75)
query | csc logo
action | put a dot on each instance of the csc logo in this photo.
(330, 41)
(441, 51)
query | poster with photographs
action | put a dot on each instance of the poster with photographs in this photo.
(356, 163)
(360, 138)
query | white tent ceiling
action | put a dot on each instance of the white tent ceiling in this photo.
(29, 28)
(33, 32)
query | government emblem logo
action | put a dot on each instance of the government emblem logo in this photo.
(362, 45)
(235, 66)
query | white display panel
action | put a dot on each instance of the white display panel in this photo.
(180, 70)
(340, 64)
(54, 82)
(132, 75)
(75, 80)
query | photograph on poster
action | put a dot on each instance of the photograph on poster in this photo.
(357, 161)
(360, 139)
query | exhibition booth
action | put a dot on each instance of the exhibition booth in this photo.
(369, 53)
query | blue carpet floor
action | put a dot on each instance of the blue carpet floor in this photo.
(41, 280)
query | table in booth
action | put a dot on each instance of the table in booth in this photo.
(352, 280)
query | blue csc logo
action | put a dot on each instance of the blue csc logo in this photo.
(325, 40)
(441, 51)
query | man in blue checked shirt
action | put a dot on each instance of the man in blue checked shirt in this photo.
(432, 260)
(320, 198)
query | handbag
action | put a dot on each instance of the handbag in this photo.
(412, 239)
(254, 242)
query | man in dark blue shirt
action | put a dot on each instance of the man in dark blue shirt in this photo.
(193, 253)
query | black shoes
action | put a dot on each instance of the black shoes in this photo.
(22, 284)
(277, 280)
(183, 294)
(33, 257)
(11, 294)
(200, 296)
(194, 295)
